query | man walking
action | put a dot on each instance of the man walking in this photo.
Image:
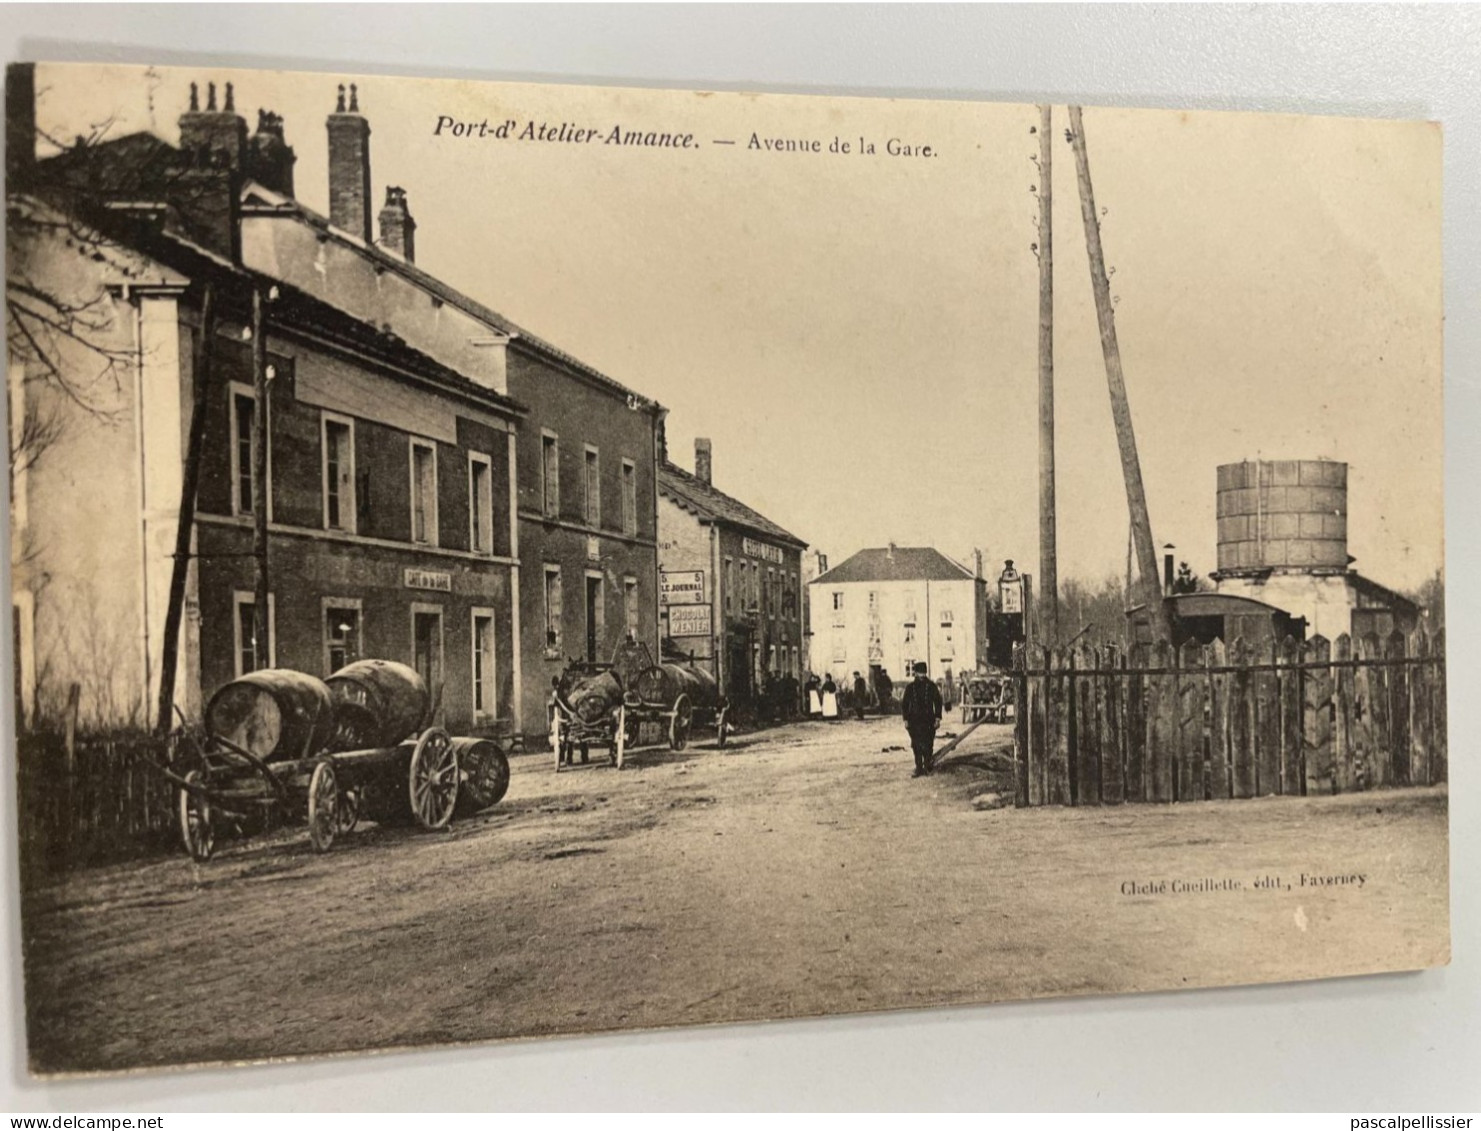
(861, 696)
(922, 710)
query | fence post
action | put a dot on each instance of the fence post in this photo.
(1021, 716)
(1290, 705)
(1057, 783)
(1317, 691)
(1399, 734)
(1073, 724)
(1439, 691)
(1218, 780)
(1113, 745)
(1162, 729)
(1372, 706)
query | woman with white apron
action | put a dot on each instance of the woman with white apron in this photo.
(830, 699)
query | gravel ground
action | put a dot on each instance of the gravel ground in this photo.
(799, 871)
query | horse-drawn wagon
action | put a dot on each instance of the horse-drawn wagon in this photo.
(606, 705)
(282, 746)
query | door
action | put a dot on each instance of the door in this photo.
(593, 617)
(426, 635)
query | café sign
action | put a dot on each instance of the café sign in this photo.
(430, 579)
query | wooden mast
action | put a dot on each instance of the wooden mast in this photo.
(1048, 542)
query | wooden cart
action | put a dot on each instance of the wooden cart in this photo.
(680, 697)
(283, 747)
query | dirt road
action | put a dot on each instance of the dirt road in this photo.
(797, 872)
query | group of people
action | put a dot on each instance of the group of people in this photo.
(921, 707)
(826, 699)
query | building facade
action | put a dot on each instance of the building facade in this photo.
(888, 609)
(417, 509)
(731, 583)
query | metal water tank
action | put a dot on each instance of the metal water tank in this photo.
(1287, 514)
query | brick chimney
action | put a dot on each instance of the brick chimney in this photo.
(270, 158)
(703, 461)
(20, 123)
(398, 229)
(214, 135)
(349, 166)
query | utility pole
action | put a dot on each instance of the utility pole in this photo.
(1131, 468)
(261, 623)
(1048, 541)
(200, 372)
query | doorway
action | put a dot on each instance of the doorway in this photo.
(593, 617)
(426, 653)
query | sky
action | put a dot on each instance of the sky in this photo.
(857, 333)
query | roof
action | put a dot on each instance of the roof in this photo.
(711, 504)
(260, 201)
(143, 163)
(896, 563)
(1380, 596)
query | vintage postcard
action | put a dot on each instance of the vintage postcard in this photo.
(497, 560)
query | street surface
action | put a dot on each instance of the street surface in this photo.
(799, 871)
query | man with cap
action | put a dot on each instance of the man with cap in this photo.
(922, 710)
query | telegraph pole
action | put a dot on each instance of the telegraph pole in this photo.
(1048, 541)
(180, 567)
(261, 622)
(1131, 468)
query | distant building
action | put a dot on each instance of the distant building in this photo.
(732, 581)
(890, 608)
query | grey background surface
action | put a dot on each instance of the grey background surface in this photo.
(1385, 1043)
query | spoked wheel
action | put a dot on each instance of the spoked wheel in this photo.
(324, 806)
(485, 774)
(680, 721)
(196, 830)
(722, 729)
(347, 813)
(433, 780)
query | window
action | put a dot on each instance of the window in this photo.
(909, 635)
(946, 618)
(550, 463)
(796, 661)
(484, 702)
(593, 487)
(837, 608)
(342, 633)
(729, 585)
(840, 650)
(874, 602)
(480, 503)
(250, 654)
(629, 497)
(243, 449)
(630, 605)
(552, 610)
(339, 473)
(771, 659)
(424, 492)
(909, 608)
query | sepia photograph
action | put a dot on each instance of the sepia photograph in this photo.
(494, 560)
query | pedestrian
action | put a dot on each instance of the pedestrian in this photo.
(830, 698)
(861, 695)
(814, 697)
(885, 689)
(922, 710)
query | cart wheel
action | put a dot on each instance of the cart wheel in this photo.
(722, 730)
(195, 820)
(433, 780)
(679, 722)
(347, 813)
(324, 806)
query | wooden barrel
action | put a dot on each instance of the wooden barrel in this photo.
(662, 684)
(485, 769)
(591, 696)
(276, 714)
(376, 703)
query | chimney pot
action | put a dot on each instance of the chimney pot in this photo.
(398, 229)
(349, 167)
(703, 461)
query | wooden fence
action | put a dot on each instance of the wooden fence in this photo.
(1100, 726)
(90, 799)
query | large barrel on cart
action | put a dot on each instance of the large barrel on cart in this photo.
(284, 746)
(273, 714)
(377, 703)
(682, 695)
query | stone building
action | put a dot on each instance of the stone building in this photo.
(732, 582)
(434, 486)
(889, 608)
